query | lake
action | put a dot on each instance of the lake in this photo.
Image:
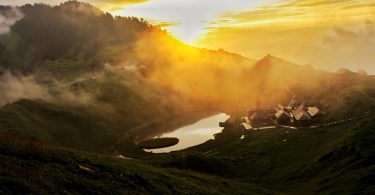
(194, 134)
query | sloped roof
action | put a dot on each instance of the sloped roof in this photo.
(299, 114)
(281, 113)
(313, 111)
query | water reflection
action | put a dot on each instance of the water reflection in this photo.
(194, 134)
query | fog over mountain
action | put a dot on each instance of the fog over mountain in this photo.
(86, 98)
(9, 18)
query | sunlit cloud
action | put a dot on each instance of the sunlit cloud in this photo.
(114, 5)
(328, 34)
(193, 17)
(299, 11)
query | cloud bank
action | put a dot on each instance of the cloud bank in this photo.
(13, 88)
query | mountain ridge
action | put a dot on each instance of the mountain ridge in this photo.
(107, 82)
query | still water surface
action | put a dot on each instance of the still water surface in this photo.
(194, 134)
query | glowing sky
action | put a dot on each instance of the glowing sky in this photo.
(186, 19)
(325, 33)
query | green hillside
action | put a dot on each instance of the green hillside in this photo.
(335, 159)
(94, 75)
(100, 111)
(31, 167)
(331, 160)
(79, 87)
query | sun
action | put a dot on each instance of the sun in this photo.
(188, 33)
(186, 20)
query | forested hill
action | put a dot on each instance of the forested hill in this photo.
(70, 31)
(74, 70)
(74, 41)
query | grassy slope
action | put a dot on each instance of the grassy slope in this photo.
(32, 167)
(90, 128)
(58, 125)
(331, 160)
(334, 160)
(100, 109)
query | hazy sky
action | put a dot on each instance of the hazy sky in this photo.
(325, 33)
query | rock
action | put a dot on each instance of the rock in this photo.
(83, 168)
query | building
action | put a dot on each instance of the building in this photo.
(260, 115)
(297, 115)
(282, 116)
(294, 115)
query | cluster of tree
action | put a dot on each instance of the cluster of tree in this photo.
(68, 31)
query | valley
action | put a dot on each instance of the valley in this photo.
(81, 92)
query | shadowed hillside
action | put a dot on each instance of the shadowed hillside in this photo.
(28, 166)
(70, 31)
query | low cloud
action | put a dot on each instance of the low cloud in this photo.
(8, 18)
(13, 88)
(42, 86)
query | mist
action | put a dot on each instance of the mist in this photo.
(8, 18)
(13, 88)
(212, 78)
(215, 78)
(227, 81)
